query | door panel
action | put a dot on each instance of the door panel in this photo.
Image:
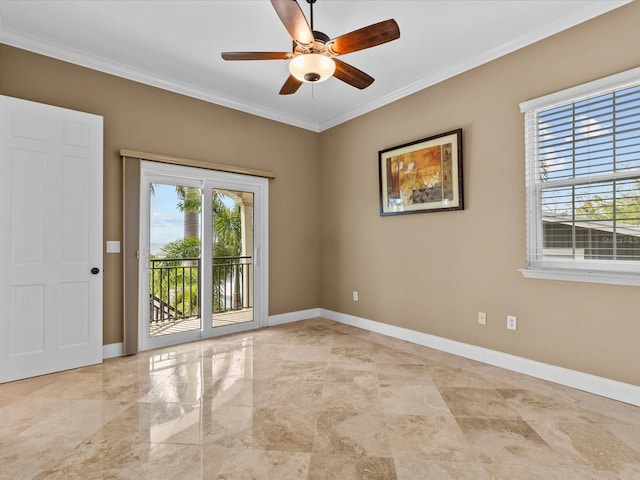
(232, 265)
(74, 308)
(76, 216)
(27, 327)
(51, 203)
(170, 276)
(238, 284)
(174, 264)
(27, 232)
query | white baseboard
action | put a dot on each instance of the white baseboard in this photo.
(112, 350)
(293, 316)
(605, 387)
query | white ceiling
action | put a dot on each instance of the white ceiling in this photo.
(176, 45)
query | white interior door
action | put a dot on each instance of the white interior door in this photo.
(50, 240)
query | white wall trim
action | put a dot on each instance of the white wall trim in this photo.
(293, 316)
(611, 278)
(605, 387)
(112, 350)
(590, 89)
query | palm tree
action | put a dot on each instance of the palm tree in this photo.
(190, 199)
(227, 242)
(227, 228)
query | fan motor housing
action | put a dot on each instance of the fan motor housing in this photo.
(320, 37)
(318, 45)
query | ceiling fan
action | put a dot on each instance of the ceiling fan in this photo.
(313, 58)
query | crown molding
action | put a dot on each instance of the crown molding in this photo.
(594, 10)
(113, 68)
(35, 45)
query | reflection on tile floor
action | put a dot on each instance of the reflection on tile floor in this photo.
(309, 400)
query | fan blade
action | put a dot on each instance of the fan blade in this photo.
(290, 86)
(294, 21)
(366, 37)
(351, 75)
(256, 55)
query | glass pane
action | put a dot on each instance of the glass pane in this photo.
(627, 240)
(595, 136)
(595, 221)
(174, 270)
(233, 282)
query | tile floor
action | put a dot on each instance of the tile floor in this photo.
(309, 400)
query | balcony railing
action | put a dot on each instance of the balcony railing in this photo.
(174, 289)
(174, 285)
(232, 283)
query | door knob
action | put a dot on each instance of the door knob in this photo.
(95, 270)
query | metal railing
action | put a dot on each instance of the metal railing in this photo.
(232, 283)
(174, 285)
(174, 289)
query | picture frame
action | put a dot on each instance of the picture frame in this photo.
(422, 176)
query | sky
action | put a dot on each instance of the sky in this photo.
(167, 222)
(578, 141)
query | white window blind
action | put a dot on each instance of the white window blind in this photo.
(583, 178)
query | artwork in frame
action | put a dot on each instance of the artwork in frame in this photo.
(422, 176)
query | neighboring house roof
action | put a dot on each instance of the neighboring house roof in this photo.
(583, 221)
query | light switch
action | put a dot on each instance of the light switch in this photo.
(113, 246)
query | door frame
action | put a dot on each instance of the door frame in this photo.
(207, 180)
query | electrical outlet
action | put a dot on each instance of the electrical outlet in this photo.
(482, 318)
(512, 322)
(355, 296)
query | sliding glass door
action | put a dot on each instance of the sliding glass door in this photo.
(232, 270)
(202, 233)
(174, 250)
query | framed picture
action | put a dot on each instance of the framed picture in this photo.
(422, 176)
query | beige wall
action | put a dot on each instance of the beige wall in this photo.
(144, 118)
(428, 272)
(434, 272)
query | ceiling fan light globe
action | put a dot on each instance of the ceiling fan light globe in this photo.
(312, 67)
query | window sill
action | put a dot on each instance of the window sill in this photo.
(610, 278)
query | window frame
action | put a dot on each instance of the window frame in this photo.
(594, 271)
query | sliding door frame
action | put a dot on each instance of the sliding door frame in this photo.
(214, 177)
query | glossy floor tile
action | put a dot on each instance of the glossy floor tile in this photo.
(310, 400)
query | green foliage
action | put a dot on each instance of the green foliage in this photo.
(627, 208)
(175, 281)
(227, 231)
(179, 249)
(189, 199)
